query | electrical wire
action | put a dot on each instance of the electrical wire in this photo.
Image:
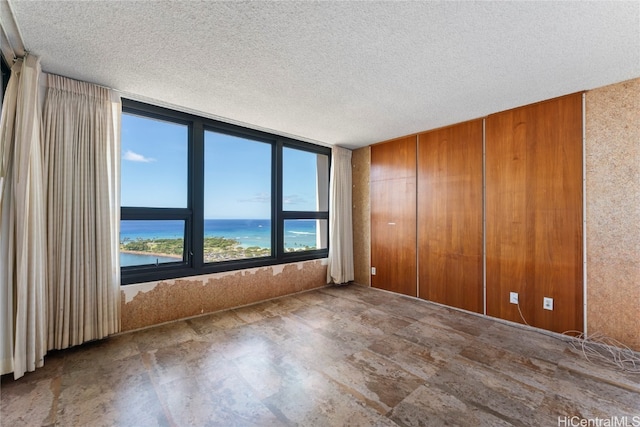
(521, 315)
(599, 347)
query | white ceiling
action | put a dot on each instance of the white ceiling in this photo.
(347, 73)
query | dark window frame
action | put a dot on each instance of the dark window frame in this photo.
(193, 215)
(6, 75)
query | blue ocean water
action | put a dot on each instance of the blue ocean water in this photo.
(127, 259)
(249, 232)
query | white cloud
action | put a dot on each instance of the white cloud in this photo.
(293, 199)
(258, 198)
(135, 157)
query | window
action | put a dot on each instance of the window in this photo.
(154, 162)
(199, 196)
(237, 197)
(144, 242)
(305, 183)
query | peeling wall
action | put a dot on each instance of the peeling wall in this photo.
(613, 211)
(146, 304)
(361, 162)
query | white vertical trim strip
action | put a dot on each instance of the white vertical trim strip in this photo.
(369, 275)
(484, 218)
(584, 212)
(417, 220)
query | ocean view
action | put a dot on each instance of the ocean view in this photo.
(248, 233)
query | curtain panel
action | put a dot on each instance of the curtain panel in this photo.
(81, 139)
(23, 308)
(340, 268)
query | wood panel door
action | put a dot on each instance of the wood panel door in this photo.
(450, 216)
(393, 216)
(534, 213)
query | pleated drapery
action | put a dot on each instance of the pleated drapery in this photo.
(340, 268)
(81, 140)
(23, 308)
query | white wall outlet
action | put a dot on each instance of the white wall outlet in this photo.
(373, 271)
(513, 297)
(547, 303)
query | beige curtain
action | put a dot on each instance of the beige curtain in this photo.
(23, 307)
(340, 268)
(81, 139)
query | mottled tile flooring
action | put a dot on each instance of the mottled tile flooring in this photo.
(331, 357)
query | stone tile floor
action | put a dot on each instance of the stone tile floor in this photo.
(331, 357)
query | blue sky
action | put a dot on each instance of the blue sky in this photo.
(237, 171)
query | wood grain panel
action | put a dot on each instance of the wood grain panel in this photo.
(393, 216)
(534, 213)
(450, 216)
(393, 159)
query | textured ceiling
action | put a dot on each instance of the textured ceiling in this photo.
(347, 73)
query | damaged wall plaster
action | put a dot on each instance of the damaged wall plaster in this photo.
(147, 304)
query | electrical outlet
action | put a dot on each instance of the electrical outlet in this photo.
(373, 271)
(547, 303)
(513, 297)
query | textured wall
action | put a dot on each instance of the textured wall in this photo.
(361, 161)
(613, 211)
(147, 304)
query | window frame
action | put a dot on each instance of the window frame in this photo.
(6, 75)
(193, 215)
(293, 215)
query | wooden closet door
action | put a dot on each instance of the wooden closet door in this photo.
(393, 215)
(450, 216)
(534, 213)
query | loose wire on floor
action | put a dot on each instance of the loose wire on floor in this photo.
(598, 347)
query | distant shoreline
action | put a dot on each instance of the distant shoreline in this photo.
(150, 254)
